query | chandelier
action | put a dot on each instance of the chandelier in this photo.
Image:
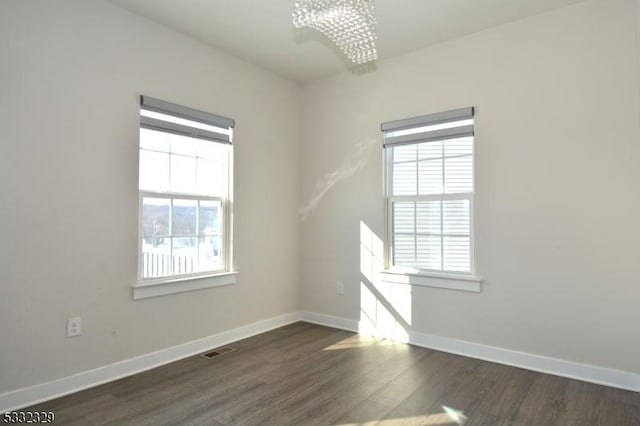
(350, 24)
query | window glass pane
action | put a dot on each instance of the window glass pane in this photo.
(404, 179)
(184, 217)
(456, 217)
(430, 176)
(183, 174)
(429, 255)
(428, 217)
(155, 217)
(404, 250)
(185, 251)
(404, 217)
(154, 170)
(462, 146)
(212, 150)
(210, 218)
(403, 153)
(156, 257)
(210, 254)
(184, 145)
(430, 150)
(154, 140)
(212, 177)
(457, 254)
(458, 175)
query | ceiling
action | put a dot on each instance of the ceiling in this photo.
(261, 32)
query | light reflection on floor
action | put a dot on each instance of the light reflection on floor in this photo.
(450, 416)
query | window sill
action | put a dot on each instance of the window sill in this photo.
(163, 286)
(444, 280)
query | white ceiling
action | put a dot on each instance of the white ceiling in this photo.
(261, 32)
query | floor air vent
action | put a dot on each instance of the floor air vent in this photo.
(217, 352)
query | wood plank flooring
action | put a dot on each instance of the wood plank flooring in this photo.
(305, 374)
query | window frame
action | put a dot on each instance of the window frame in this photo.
(465, 281)
(146, 287)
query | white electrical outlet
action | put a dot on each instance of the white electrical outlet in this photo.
(339, 287)
(74, 326)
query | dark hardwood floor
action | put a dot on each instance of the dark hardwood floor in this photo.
(305, 374)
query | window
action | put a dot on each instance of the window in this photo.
(184, 192)
(429, 185)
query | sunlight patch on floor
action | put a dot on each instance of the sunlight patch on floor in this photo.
(355, 341)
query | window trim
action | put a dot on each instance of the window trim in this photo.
(464, 281)
(158, 286)
(448, 280)
(170, 285)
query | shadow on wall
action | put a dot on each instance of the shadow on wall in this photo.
(356, 160)
(385, 308)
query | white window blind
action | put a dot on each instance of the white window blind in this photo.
(430, 185)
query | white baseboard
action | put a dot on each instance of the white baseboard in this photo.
(558, 367)
(34, 394)
(330, 321)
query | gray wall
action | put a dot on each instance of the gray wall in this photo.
(557, 168)
(70, 75)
